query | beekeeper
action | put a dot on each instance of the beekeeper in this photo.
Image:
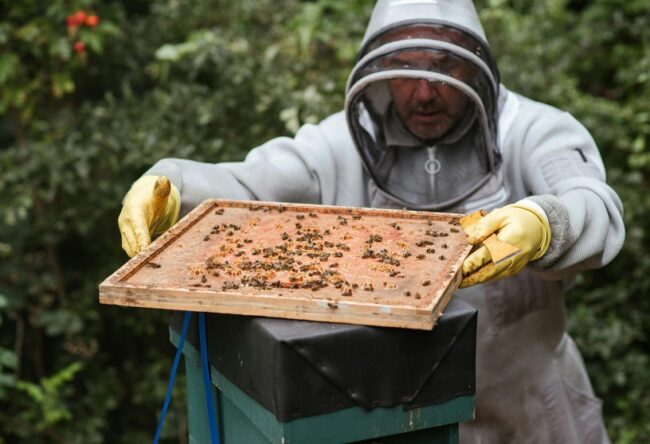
(428, 126)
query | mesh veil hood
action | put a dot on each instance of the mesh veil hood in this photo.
(421, 103)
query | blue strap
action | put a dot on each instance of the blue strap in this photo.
(172, 377)
(214, 434)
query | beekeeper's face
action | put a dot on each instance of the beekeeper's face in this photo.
(417, 85)
(429, 109)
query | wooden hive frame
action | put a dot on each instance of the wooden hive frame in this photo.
(164, 275)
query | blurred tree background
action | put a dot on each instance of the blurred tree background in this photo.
(94, 92)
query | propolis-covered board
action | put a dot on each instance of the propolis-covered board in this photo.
(364, 266)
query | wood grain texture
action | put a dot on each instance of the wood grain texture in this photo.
(312, 262)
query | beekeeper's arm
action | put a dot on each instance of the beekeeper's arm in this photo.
(312, 167)
(571, 221)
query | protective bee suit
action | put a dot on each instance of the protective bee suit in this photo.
(499, 148)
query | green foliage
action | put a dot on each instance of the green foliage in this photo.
(47, 395)
(8, 363)
(208, 80)
(39, 36)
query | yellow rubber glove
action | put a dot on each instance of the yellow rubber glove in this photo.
(519, 225)
(151, 206)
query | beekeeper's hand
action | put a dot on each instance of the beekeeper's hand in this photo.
(150, 207)
(522, 225)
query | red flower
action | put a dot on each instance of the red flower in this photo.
(80, 16)
(79, 47)
(91, 21)
(71, 21)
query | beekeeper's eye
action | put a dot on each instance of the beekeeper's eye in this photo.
(401, 62)
(423, 60)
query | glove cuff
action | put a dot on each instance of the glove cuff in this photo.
(562, 237)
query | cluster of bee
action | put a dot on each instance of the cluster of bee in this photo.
(286, 257)
(304, 259)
